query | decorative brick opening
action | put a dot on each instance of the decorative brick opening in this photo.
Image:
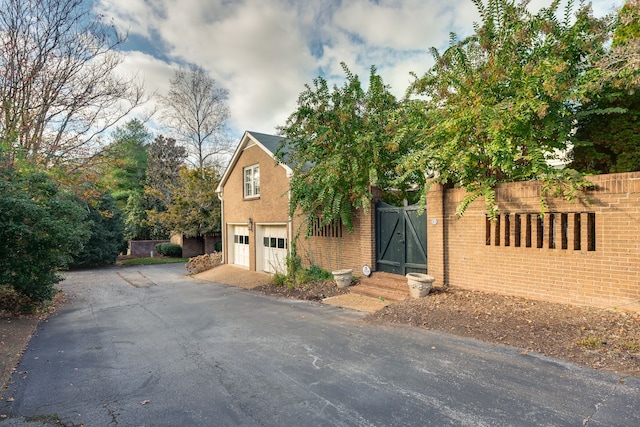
(551, 231)
(328, 230)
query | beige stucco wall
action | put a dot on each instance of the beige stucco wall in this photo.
(271, 207)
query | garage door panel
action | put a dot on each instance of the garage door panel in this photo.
(274, 249)
(241, 246)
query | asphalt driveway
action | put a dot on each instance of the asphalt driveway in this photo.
(149, 346)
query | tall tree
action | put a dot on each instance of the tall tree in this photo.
(196, 111)
(608, 130)
(195, 209)
(126, 161)
(499, 105)
(165, 159)
(338, 142)
(59, 88)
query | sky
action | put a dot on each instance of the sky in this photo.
(264, 51)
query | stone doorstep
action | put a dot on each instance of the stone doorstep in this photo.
(390, 287)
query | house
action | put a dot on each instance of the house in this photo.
(583, 252)
(257, 228)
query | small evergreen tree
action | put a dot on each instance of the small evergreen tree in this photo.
(41, 228)
(106, 235)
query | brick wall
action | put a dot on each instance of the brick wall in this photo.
(578, 253)
(143, 247)
(351, 250)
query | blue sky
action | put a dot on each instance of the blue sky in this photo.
(264, 51)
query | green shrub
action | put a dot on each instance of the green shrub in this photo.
(317, 273)
(11, 301)
(41, 229)
(279, 279)
(107, 235)
(301, 276)
(169, 249)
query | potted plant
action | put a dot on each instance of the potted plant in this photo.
(342, 277)
(419, 284)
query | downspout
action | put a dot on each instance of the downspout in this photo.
(223, 227)
(290, 227)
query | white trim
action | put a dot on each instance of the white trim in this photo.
(255, 189)
(247, 139)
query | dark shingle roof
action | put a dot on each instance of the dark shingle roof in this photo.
(271, 142)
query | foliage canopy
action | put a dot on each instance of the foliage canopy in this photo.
(195, 209)
(338, 142)
(499, 105)
(106, 235)
(608, 128)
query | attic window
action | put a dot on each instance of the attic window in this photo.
(252, 181)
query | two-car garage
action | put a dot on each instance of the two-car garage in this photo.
(271, 246)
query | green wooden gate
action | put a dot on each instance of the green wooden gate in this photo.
(401, 239)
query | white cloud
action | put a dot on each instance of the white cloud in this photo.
(264, 51)
(403, 25)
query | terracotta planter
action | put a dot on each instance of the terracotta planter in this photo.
(419, 284)
(342, 277)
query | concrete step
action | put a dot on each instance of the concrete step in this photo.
(387, 286)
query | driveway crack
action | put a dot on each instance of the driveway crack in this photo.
(600, 404)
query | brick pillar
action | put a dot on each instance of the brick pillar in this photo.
(436, 232)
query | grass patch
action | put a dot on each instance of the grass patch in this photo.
(153, 261)
(591, 343)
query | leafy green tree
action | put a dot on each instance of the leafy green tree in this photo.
(126, 161)
(621, 66)
(41, 228)
(338, 142)
(139, 219)
(499, 105)
(195, 209)
(106, 228)
(608, 130)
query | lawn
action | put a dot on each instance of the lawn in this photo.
(153, 261)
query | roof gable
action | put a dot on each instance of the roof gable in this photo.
(268, 143)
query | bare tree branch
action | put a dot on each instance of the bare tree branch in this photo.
(59, 86)
(196, 111)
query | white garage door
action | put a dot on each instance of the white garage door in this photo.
(274, 249)
(241, 246)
